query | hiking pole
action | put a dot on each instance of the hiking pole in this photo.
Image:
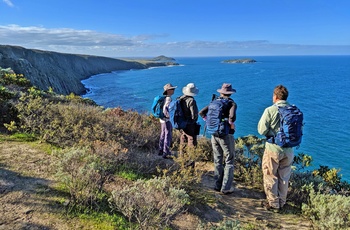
(213, 97)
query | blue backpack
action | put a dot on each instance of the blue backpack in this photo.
(216, 122)
(291, 126)
(177, 116)
(157, 106)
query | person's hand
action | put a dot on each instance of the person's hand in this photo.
(204, 118)
(233, 126)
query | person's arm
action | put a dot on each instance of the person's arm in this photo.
(232, 113)
(194, 110)
(166, 107)
(264, 124)
(232, 117)
(203, 112)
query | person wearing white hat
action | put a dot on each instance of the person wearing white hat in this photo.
(190, 109)
(166, 127)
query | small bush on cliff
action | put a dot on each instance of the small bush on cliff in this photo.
(7, 110)
(323, 181)
(151, 203)
(328, 211)
(249, 151)
(83, 173)
(183, 174)
(9, 78)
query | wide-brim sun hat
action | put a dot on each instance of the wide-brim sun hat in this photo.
(190, 90)
(167, 87)
(226, 88)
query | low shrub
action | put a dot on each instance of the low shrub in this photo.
(298, 180)
(328, 211)
(249, 152)
(183, 174)
(9, 77)
(322, 180)
(228, 225)
(151, 203)
(83, 173)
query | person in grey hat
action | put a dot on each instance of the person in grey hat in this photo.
(188, 136)
(166, 127)
(223, 143)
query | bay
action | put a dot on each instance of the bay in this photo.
(318, 85)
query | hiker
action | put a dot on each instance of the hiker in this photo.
(166, 127)
(221, 127)
(277, 161)
(189, 106)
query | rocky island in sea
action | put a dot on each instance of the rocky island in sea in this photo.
(64, 72)
(244, 60)
(163, 58)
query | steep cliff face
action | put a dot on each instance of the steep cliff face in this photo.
(62, 72)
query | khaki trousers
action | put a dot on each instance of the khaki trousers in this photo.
(276, 173)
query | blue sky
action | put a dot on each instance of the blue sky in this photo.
(177, 28)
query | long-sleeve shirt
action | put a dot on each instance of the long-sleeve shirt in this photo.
(166, 109)
(269, 124)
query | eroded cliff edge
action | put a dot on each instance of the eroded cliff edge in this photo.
(60, 71)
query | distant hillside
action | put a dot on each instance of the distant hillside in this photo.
(162, 58)
(63, 72)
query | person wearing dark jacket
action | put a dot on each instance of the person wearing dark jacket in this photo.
(224, 144)
(189, 106)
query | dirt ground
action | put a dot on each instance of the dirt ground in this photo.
(29, 200)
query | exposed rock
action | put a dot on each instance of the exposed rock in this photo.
(63, 72)
(245, 60)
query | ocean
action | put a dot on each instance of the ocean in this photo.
(318, 85)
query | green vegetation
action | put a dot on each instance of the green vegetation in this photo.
(105, 171)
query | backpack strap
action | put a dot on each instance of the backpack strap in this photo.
(271, 139)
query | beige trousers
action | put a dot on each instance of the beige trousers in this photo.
(276, 173)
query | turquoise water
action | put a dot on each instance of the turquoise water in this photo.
(318, 85)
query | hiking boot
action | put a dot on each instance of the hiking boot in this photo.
(160, 153)
(217, 189)
(286, 208)
(265, 204)
(229, 191)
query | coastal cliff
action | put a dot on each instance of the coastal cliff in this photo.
(63, 72)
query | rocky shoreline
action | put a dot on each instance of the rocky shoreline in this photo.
(64, 72)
